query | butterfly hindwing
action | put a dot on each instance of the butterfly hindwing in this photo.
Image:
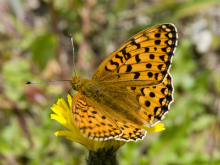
(91, 122)
(131, 132)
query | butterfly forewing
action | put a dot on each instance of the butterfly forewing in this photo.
(144, 57)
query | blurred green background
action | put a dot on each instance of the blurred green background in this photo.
(34, 46)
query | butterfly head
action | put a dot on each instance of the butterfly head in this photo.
(76, 82)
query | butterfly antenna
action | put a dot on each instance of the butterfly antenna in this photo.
(28, 82)
(71, 38)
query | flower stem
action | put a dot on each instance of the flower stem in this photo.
(102, 157)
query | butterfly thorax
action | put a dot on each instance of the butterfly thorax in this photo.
(87, 87)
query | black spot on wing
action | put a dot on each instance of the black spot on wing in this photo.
(114, 63)
(147, 103)
(157, 42)
(162, 57)
(147, 49)
(142, 91)
(152, 94)
(163, 90)
(169, 98)
(137, 75)
(149, 65)
(129, 68)
(121, 58)
(125, 54)
(161, 100)
(160, 66)
(157, 35)
(152, 56)
(134, 43)
(150, 74)
(137, 58)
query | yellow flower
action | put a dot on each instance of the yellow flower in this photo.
(63, 115)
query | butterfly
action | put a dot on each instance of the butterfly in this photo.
(132, 87)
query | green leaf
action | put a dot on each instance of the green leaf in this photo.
(44, 48)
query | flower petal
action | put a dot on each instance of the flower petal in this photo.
(158, 127)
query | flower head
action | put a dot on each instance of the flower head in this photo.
(63, 115)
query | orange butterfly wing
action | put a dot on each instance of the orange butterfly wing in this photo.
(91, 121)
(147, 57)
